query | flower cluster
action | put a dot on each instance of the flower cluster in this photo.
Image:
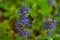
(49, 25)
(24, 17)
(23, 22)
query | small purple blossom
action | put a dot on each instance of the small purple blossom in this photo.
(48, 33)
(28, 24)
(44, 24)
(19, 11)
(18, 28)
(27, 33)
(24, 21)
(54, 21)
(25, 9)
(23, 32)
(52, 25)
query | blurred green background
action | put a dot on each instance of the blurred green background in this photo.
(38, 8)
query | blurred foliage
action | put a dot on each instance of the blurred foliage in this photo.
(38, 8)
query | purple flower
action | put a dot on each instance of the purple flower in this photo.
(25, 15)
(25, 9)
(18, 28)
(28, 24)
(17, 22)
(54, 21)
(19, 11)
(17, 25)
(27, 33)
(24, 21)
(44, 24)
(48, 33)
(52, 25)
(23, 32)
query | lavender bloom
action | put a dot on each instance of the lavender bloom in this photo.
(25, 15)
(52, 25)
(18, 28)
(17, 21)
(23, 32)
(48, 33)
(54, 21)
(27, 33)
(44, 24)
(28, 25)
(19, 11)
(25, 9)
(24, 21)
